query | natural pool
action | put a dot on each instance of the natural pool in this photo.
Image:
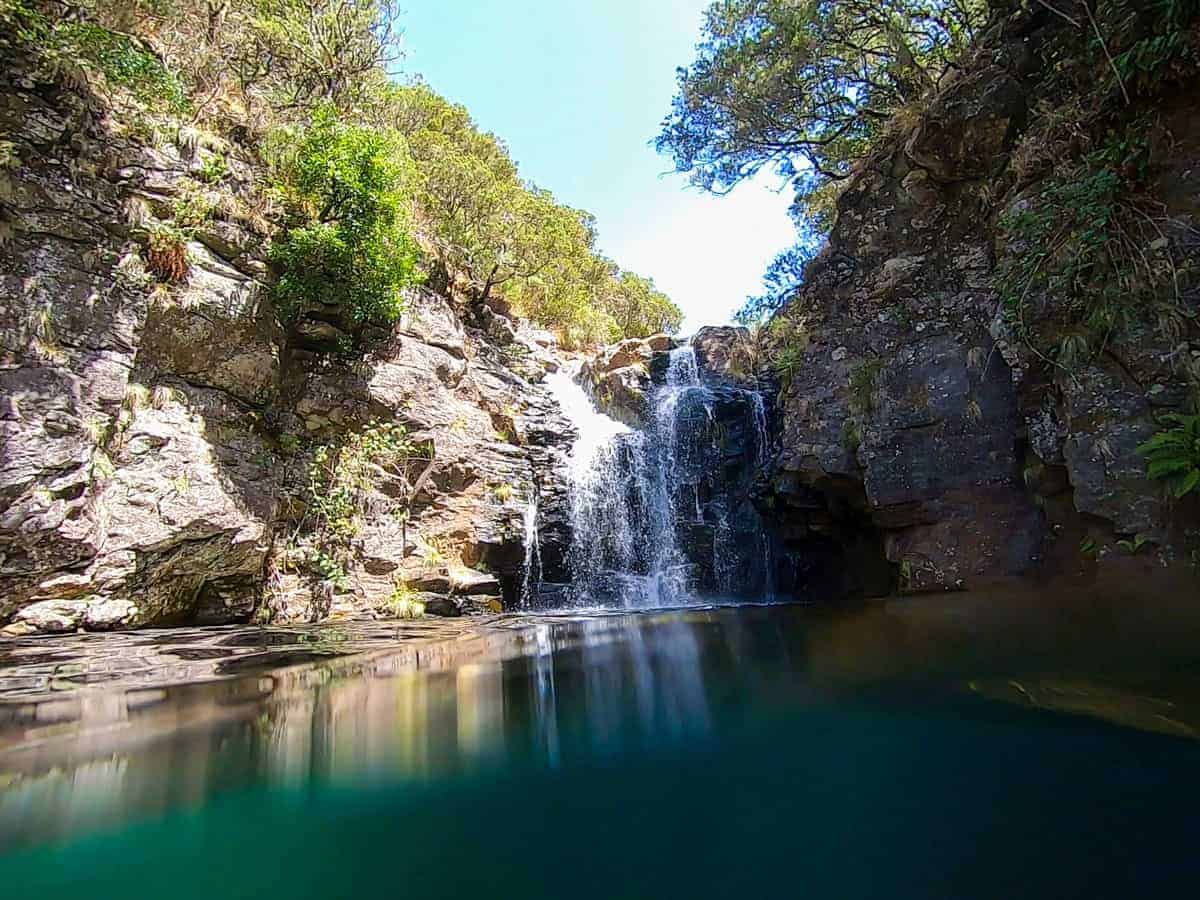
(961, 747)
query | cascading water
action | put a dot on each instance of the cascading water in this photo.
(533, 552)
(653, 522)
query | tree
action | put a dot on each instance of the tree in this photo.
(348, 244)
(489, 231)
(804, 85)
(308, 52)
(639, 308)
(783, 278)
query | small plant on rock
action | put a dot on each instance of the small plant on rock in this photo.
(193, 208)
(863, 382)
(330, 570)
(851, 436)
(405, 603)
(787, 362)
(214, 169)
(166, 252)
(1173, 454)
(433, 556)
(340, 478)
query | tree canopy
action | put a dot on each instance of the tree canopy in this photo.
(348, 245)
(804, 85)
(491, 231)
(803, 88)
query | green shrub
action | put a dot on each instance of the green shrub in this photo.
(123, 62)
(214, 168)
(340, 478)
(348, 243)
(786, 363)
(1173, 454)
(1081, 242)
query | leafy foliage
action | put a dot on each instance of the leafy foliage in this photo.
(783, 277)
(863, 381)
(1088, 249)
(1151, 38)
(805, 87)
(490, 231)
(214, 168)
(307, 53)
(787, 362)
(340, 478)
(348, 245)
(375, 176)
(123, 61)
(405, 603)
(1173, 454)
(639, 308)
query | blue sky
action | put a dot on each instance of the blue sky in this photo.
(577, 89)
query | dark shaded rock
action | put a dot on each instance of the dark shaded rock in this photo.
(969, 126)
(443, 606)
(314, 334)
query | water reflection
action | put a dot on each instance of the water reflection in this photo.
(512, 690)
(536, 692)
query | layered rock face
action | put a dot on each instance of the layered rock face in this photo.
(916, 417)
(157, 437)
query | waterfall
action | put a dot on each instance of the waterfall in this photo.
(653, 522)
(533, 553)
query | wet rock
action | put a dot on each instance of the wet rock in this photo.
(469, 582)
(444, 606)
(109, 613)
(624, 394)
(1107, 418)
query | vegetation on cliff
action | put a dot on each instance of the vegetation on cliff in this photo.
(812, 89)
(376, 183)
(996, 291)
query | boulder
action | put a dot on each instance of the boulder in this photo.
(726, 353)
(624, 394)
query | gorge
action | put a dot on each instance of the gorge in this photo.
(366, 529)
(182, 452)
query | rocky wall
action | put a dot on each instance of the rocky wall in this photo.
(156, 437)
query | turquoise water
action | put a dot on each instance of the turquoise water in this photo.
(769, 751)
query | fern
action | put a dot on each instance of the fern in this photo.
(1173, 454)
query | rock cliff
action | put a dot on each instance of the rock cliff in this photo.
(159, 435)
(916, 420)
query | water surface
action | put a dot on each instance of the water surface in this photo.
(957, 747)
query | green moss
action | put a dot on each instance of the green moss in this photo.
(863, 381)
